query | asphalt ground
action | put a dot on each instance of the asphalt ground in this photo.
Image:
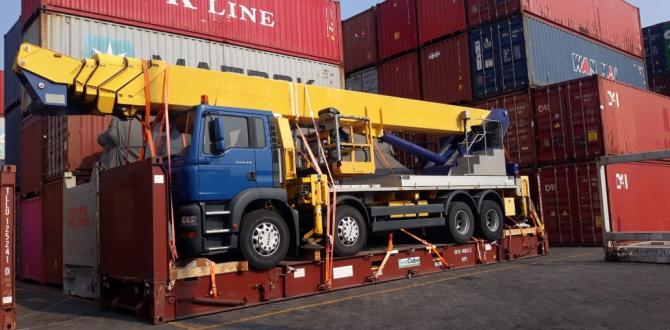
(569, 289)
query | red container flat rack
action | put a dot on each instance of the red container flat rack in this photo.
(135, 260)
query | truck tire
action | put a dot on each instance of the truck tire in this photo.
(460, 223)
(264, 239)
(491, 221)
(351, 231)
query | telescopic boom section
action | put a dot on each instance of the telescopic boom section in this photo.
(106, 84)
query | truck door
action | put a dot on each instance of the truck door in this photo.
(222, 176)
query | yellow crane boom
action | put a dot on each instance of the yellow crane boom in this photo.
(107, 84)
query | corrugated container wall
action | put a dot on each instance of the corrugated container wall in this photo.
(12, 137)
(637, 192)
(52, 217)
(660, 84)
(2, 91)
(592, 117)
(657, 49)
(12, 42)
(612, 22)
(439, 18)
(396, 27)
(31, 154)
(72, 144)
(520, 139)
(519, 52)
(82, 37)
(445, 71)
(359, 35)
(400, 77)
(307, 28)
(571, 204)
(31, 250)
(366, 81)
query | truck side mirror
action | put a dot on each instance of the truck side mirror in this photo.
(219, 140)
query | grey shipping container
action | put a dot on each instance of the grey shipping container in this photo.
(12, 84)
(84, 37)
(366, 81)
(522, 51)
(80, 238)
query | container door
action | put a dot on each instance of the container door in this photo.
(222, 177)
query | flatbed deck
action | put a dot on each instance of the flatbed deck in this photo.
(570, 289)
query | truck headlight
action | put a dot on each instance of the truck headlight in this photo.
(189, 220)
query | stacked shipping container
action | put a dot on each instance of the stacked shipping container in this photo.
(657, 56)
(293, 41)
(534, 58)
(422, 50)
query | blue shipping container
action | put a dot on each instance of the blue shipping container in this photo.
(522, 51)
(13, 120)
(657, 49)
(12, 84)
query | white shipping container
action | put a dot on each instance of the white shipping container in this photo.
(366, 81)
(83, 37)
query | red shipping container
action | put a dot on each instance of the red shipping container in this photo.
(52, 218)
(439, 18)
(612, 22)
(400, 77)
(520, 139)
(587, 118)
(445, 71)
(72, 144)
(396, 27)
(8, 242)
(307, 28)
(637, 195)
(571, 204)
(31, 250)
(360, 40)
(31, 154)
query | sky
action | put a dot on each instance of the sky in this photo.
(652, 12)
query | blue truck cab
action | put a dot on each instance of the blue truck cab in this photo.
(225, 166)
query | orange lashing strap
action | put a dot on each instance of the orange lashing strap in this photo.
(214, 293)
(147, 137)
(166, 117)
(432, 248)
(389, 253)
(481, 256)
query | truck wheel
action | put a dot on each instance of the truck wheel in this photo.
(351, 231)
(491, 221)
(264, 239)
(460, 222)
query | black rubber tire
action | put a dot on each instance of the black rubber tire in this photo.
(461, 209)
(249, 223)
(340, 248)
(482, 225)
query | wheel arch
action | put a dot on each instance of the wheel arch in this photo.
(459, 196)
(356, 203)
(491, 195)
(257, 198)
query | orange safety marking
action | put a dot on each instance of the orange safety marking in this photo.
(212, 274)
(389, 252)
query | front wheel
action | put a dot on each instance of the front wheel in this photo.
(264, 239)
(350, 231)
